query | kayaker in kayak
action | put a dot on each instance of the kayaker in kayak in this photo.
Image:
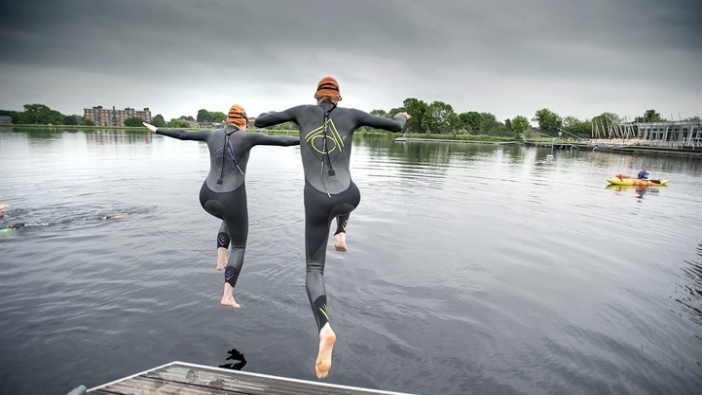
(643, 174)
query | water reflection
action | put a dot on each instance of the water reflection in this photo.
(640, 191)
(118, 136)
(691, 298)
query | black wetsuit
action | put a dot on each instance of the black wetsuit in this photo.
(329, 190)
(223, 194)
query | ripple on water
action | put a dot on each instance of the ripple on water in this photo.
(471, 268)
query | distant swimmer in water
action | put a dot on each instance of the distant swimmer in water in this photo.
(40, 223)
(326, 133)
(8, 228)
(114, 216)
(11, 227)
(223, 194)
(3, 208)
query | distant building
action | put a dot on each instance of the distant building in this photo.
(655, 134)
(683, 132)
(106, 117)
(5, 119)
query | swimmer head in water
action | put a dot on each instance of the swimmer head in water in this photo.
(3, 208)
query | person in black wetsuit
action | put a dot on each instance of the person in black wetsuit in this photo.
(326, 133)
(223, 194)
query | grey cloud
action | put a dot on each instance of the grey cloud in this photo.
(275, 47)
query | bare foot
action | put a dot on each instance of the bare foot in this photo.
(327, 337)
(228, 297)
(221, 258)
(340, 242)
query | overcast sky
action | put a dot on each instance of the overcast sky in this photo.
(506, 57)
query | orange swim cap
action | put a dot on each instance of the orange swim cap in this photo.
(237, 116)
(328, 87)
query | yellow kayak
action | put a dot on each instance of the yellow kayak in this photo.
(635, 182)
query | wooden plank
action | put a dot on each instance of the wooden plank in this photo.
(189, 375)
(182, 378)
(147, 386)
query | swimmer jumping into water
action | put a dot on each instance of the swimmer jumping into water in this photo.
(223, 194)
(326, 133)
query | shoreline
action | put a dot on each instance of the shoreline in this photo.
(681, 152)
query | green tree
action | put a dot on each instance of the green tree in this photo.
(418, 109)
(15, 115)
(582, 129)
(650, 116)
(178, 123)
(601, 125)
(472, 120)
(520, 124)
(40, 114)
(379, 113)
(577, 127)
(70, 120)
(211, 116)
(134, 122)
(549, 122)
(455, 124)
(88, 122)
(203, 116)
(570, 121)
(218, 116)
(438, 118)
(186, 117)
(508, 124)
(158, 121)
(490, 123)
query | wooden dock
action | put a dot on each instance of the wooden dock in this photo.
(185, 378)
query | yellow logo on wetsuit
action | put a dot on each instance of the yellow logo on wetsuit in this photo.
(334, 139)
(323, 310)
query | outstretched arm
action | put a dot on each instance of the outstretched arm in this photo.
(274, 118)
(264, 139)
(181, 134)
(394, 125)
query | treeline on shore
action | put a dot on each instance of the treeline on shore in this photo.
(436, 118)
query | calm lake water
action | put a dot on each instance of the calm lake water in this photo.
(472, 269)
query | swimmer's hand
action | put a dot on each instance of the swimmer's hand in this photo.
(405, 114)
(150, 127)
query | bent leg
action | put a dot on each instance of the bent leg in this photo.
(340, 234)
(238, 225)
(232, 208)
(223, 240)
